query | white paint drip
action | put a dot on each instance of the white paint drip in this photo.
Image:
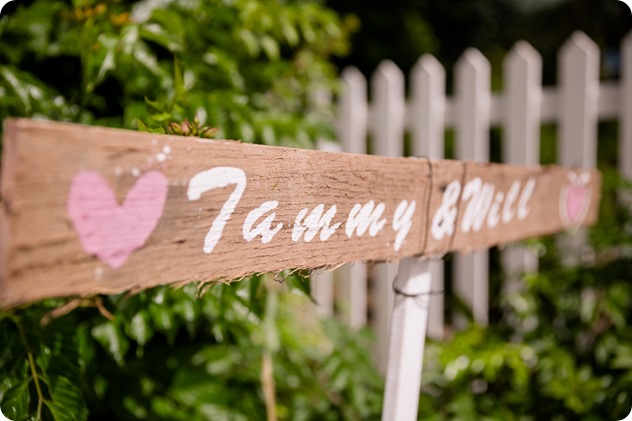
(479, 196)
(525, 196)
(444, 219)
(494, 212)
(161, 157)
(218, 177)
(264, 228)
(365, 217)
(402, 221)
(512, 195)
(135, 172)
(314, 223)
(482, 204)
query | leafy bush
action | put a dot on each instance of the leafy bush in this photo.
(247, 350)
(250, 68)
(562, 348)
(170, 354)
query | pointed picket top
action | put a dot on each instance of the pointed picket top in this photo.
(352, 111)
(473, 83)
(386, 119)
(579, 47)
(428, 66)
(625, 155)
(522, 105)
(389, 70)
(579, 90)
(472, 58)
(523, 54)
(352, 75)
(427, 115)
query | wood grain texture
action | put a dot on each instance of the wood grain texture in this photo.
(43, 255)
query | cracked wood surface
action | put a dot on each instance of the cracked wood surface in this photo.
(44, 252)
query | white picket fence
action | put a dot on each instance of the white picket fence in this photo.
(577, 104)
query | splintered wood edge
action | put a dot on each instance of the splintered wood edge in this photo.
(423, 178)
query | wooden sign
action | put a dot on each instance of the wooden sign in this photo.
(89, 210)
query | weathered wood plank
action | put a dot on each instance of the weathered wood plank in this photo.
(64, 232)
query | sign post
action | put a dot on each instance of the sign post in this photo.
(88, 210)
(407, 337)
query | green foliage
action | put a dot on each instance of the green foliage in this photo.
(173, 354)
(562, 349)
(249, 68)
(242, 70)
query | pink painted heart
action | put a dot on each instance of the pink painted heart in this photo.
(109, 230)
(575, 202)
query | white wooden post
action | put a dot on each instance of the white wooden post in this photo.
(352, 130)
(625, 108)
(322, 290)
(473, 77)
(427, 124)
(522, 103)
(407, 338)
(387, 126)
(579, 90)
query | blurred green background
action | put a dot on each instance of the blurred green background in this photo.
(559, 349)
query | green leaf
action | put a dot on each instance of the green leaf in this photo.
(98, 65)
(178, 81)
(109, 335)
(140, 125)
(270, 47)
(139, 328)
(193, 387)
(15, 404)
(157, 33)
(290, 33)
(250, 42)
(67, 402)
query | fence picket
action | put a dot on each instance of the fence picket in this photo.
(387, 128)
(426, 119)
(576, 105)
(352, 111)
(473, 78)
(625, 109)
(426, 123)
(579, 87)
(352, 130)
(579, 92)
(322, 289)
(521, 144)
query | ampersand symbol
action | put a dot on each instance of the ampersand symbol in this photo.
(444, 219)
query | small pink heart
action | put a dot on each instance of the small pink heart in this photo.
(107, 230)
(575, 202)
